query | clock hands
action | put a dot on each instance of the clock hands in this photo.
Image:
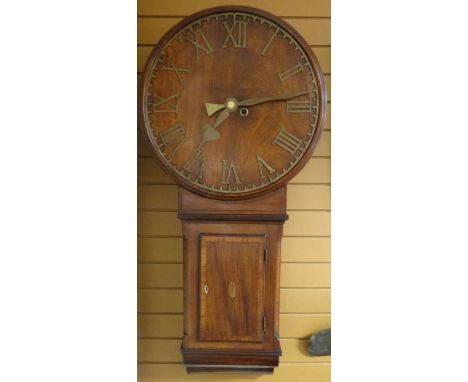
(221, 118)
(284, 96)
(196, 161)
(212, 108)
(209, 133)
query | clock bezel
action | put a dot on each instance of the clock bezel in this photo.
(150, 140)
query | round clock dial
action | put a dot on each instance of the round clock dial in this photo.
(232, 102)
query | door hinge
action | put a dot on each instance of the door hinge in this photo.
(265, 256)
(264, 323)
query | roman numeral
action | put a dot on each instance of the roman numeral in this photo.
(229, 170)
(195, 163)
(298, 106)
(291, 71)
(203, 46)
(180, 72)
(262, 163)
(287, 141)
(263, 52)
(175, 133)
(241, 41)
(166, 105)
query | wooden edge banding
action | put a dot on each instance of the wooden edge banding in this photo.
(229, 369)
(207, 359)
(254, 218)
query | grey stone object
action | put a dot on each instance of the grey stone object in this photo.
(320, 343)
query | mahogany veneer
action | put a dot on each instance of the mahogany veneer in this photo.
(232, 248)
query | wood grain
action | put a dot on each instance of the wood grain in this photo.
(232, 268)
(317, 170)
(168, 350)
(282, 149)
(312, 275)
(300, 223)
(327, 78)
(315, 31)
(171, 325)
(295, 350)
(305, 300)
(308, 190)
(323, 54)
(302, 325)
(244, 283)
(160, 325)
(160, 301)
(293, 275)
(312, 372)
(307, 223)
(159, 197)
(301, 8)
(159, 350)
(160, 275)
(323, 147)
(308, 197)
(305, 249)
(144, 150)
(164, 197)
(291, 300)
(158, 223)
(150, 172)
(294, 249)
(159, 250)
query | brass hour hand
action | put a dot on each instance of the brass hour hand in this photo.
(209, 133)
(221, 118)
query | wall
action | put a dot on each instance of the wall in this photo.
(305, 269)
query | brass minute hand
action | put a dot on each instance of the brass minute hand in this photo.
(212, 108)
(284, 96)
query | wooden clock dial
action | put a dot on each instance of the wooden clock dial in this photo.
(233, 103)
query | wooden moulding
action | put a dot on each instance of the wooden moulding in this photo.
(234, 369)
(237, 361)
(233, 359)
(268, 208)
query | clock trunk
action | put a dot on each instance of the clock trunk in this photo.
(231, 282)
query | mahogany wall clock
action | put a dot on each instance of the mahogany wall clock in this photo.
(232, 104)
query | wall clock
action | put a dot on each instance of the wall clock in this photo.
(232, 104)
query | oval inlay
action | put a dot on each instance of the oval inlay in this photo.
(232, 289)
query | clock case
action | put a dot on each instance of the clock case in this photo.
(232, 246)
(231, 282)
